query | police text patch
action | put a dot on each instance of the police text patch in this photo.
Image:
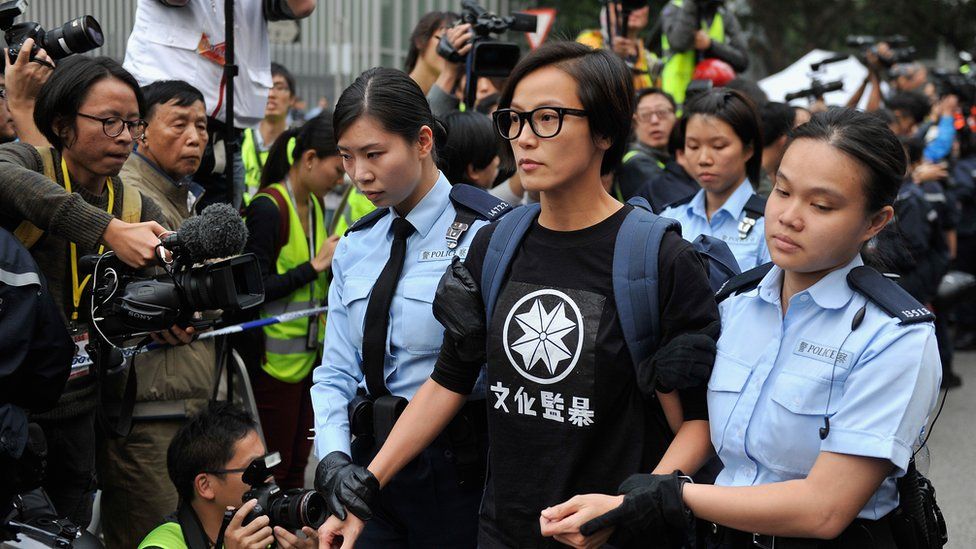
(823, 353)
(442, 254)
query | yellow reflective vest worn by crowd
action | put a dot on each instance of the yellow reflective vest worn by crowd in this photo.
(679, 66)
(254, 161)
(645, 67)
(290, 349)
(168, 535)
(354, 205)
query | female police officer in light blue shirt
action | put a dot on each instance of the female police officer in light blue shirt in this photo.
(723, 151)
(826, 371)
(381, 336)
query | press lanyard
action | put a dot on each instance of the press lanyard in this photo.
(76, 288)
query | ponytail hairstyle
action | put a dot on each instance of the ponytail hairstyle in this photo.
(867, 140)
(737, 110)
(392, 98)
(316, 134)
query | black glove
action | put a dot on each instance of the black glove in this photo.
(458, 306)
(685, 362)
(652, 503)
(346, 485)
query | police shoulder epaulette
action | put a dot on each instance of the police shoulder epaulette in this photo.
(888, 295)
(368, 220)
(756, 205)
(680, 202)
(483, 204)
(743, 282)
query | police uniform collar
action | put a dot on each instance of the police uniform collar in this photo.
(830, 292)
(733, 205)
(431, 206)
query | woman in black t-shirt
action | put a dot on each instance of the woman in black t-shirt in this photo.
(568, 410)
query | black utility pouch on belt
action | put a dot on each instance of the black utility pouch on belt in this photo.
(386, 411)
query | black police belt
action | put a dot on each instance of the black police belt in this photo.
(861, 534)
(369, 417)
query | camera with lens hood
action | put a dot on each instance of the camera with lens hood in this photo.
(76, 36)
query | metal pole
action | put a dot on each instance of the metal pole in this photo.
(230, 71)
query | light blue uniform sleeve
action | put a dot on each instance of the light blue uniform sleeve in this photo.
(336, 379)
(941, 146)
(888, 397)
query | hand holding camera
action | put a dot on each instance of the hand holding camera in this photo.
(256, 534)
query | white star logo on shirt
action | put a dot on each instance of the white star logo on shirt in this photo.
(543, 336)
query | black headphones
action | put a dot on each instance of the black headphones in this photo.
(858, 318)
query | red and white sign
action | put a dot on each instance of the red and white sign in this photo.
(545, 17)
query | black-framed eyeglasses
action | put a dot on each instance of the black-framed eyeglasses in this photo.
(113, 126)
(544, 121)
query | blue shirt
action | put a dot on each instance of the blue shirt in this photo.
(415, 336)
(750, 251)
(770, 386)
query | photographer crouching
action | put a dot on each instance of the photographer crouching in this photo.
(216, 461)
(91, 111)
(172, 382)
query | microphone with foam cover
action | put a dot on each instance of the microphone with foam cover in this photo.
(217, 232)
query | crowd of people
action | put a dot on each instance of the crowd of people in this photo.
(622, 300)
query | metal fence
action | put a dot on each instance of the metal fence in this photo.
(339, 41)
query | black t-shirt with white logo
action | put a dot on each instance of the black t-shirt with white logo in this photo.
(565, 415)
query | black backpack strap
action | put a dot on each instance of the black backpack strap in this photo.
(471, 204)
(368, 220)
(754, 209)
(743, 283)
(885, 293)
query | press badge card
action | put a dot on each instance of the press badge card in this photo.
(81, 363)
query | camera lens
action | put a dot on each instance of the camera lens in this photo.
(76, 36)
(297, 508)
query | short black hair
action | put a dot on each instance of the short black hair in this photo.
(914, 148)
(868, 141)
(205, 443)
(277, 69)
(425, 28)
(914, 104)
(644, 92)
(603, 84)
(62, 95)
(676, 141)
(750, 88)
(180, 93)
(777, 120)
(737, 110)
(471, 140)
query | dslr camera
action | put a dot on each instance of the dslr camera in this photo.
(290, 509)
(76, 36)
(488, 56)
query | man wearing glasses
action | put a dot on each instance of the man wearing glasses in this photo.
(90, 111)
(654, 119)
(205, 461)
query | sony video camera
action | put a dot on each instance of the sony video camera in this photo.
(125, 305)
(290, 509)
(488, 56)
(76, 36)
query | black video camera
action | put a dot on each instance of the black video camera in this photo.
(125, 305)
(290, 509)
(76, 36)
(901, 51)
(488, 56)
(955, 83)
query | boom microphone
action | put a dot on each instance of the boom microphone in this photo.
(217, 232)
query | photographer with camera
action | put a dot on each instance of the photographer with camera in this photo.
(423, 63)
(185, 40)
(171, 382)
(90, 110)
(631, 18)
(22, 80)
(209, 461)
(693, 31)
